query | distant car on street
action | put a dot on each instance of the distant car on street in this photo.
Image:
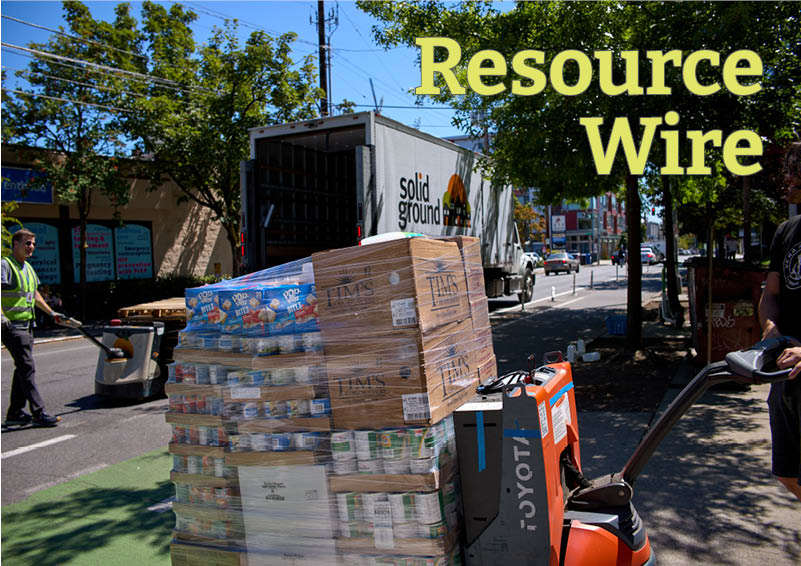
(536, 259)
(561, 261)
(618, 257)
(647, 255)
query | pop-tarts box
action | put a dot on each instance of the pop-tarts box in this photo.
(262, 310)
(239, 309)
(203, 308)
(295, 308)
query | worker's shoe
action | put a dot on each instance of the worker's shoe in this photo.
(43, 419)
(21, 419)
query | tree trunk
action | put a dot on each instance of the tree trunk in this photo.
(670, 252)
(232, 233)
(748, 253)
(720, 245)
(634, 297)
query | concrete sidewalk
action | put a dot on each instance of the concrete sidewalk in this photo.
(707, 496)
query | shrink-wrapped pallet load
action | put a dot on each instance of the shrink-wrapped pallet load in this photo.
(314, 401)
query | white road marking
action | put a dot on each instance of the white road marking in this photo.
(568, 302)
(517, 307)
(24, 449)
(548, 298)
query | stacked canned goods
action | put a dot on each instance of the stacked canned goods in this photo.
(349, 559)
(410, 450)
(388, 516)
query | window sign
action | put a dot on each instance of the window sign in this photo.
(15, 187)
(133, 253)
(45, 260)
(99, 253)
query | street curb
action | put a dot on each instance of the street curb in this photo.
(37, 341)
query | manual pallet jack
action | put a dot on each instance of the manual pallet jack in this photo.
(524, 498)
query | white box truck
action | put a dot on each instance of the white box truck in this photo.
(330, 182)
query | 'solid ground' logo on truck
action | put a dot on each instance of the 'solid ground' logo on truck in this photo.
(415, 203)
(455, 207)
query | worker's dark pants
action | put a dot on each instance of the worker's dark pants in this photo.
(19, 342)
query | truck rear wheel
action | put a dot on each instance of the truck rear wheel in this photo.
(528, 287)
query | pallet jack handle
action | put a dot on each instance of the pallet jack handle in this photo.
(111, 353)
(744, 366)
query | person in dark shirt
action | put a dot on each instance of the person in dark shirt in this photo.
(780, 315)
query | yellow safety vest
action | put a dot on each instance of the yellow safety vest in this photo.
(18, 303)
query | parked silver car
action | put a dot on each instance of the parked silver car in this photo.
(649, 256)
(561, 261)
(536, 259)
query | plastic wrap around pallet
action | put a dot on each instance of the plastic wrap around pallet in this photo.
(310, 406)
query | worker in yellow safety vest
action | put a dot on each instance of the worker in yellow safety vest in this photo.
(19, 296)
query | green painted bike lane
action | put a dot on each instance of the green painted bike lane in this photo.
(109, 517)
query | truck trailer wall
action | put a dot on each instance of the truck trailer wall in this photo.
(433, 187)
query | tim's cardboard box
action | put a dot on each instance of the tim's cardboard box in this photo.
(390, 287)
(414, 379)
(470, 248)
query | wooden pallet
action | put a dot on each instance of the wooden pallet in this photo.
(165, 309)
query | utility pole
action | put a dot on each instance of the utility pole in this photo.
(331, 22)
(323, 58)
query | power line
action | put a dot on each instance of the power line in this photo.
(144, 79)
(408, 107)
(45, 54)
(73, 37)
(79, 83)
(183, 103)
(225, 17)
(394, 80)
(391, 90)
(23, 93)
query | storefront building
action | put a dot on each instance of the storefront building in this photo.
(592, 228)
(157, 236)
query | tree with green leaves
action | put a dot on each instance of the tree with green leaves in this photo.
(538, 140)
(67, 111)
(192, 117)
(8, 208)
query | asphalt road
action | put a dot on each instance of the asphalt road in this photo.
(95, 433)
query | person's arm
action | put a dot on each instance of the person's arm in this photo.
(769, 306)
(5, 281)
(769, 319)
(42, 304)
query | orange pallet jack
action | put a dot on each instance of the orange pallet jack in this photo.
(524, 498)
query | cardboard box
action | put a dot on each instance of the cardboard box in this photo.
(488, 370)
(483, 345)
(389, 287)
(288, 515)
(479, 312)
(419, 383)
(470, 249)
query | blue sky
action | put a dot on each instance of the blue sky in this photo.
(355, 57)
